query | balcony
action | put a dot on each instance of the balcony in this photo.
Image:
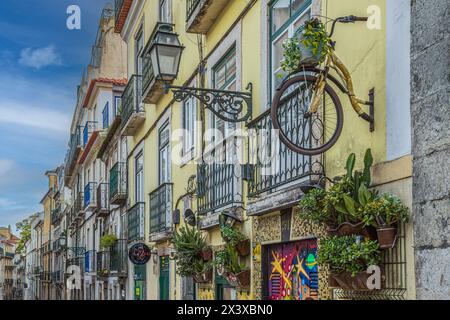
(56, 215)
(121, 10)
(90, 196)
(57, 276)
(201, 14)
(136, 222)
(89, 128)
(75, 147)
(119, 258)
(118, 183)
(102, 200)
(133, 113)
(161, 213)
(77, 261)
(103, 263)
(218, 186)
(89, 261)
(78, 205)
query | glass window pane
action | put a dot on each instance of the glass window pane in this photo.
(296, 5)
(280, 14)
(220, 77)
(277, 51)
(231, 68)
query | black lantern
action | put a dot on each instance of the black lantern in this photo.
(189, 218)
(165, 52)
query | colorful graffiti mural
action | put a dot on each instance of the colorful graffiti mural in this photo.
(293, 271)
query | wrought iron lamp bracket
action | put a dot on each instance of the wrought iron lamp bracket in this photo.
(230, 106)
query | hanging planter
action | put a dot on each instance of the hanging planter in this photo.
(387, 237)
(349, 229)
(241, 279)
(243, 247)
(346, 281)
(205, 277)
(206, 254)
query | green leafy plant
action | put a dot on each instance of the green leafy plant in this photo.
(348, 254)
(312, 35)
(228, 259)
(107, 241)
(232, 235)
(189, 243)
(386, 210)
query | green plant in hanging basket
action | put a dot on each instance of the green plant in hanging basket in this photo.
(386, 210)
(107, 241)
(310, 45)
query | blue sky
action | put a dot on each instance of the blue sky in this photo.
(41, 63)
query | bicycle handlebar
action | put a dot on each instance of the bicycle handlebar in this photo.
(346, 19)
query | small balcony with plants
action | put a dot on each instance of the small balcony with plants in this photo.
(201, 14)
(160, 61)
(102, 208)
(136, 222)
(161, 226)
(103, 263)
(133, 112)
(118, 183)
(121, 10)
(90, 199)
(113, 259)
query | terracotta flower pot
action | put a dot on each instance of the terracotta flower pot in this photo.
(242, 279)
(387, 237)
(349, 229)
(243, 247)
(346, 281)
(203, 278)
(206, 254)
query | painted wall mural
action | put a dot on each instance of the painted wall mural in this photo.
(293, 271)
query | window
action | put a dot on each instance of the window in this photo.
(224, 78)
(105, 114)
(117, 102)
(138, 47)
(189, 119)
(165, 12)
(139, 194)
(164, 156)
(286, 17)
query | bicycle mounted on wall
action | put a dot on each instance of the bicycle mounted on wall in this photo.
(315, 119)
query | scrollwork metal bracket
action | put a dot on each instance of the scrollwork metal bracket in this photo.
(230, 106)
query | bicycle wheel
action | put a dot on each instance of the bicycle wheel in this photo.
(308, 134)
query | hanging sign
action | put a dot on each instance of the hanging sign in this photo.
(139, 254)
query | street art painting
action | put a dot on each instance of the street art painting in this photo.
(293, 271)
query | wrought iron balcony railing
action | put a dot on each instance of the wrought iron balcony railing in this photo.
(75, 145)
(89, 261)
(119, 257)
(191, 5)
(56, 214)
(78, 261)
(136, 222)
(102, 200)
(89, 195)
(103, 263)
(218, 186)
(78, 205)
(132, 107)
(118, 183)
(88, 130)
(161, 209)
(273, 169)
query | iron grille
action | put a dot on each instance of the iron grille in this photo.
(119, 256)
(118, 180)
(191, 5)
(132, 98)
(394, 270)
(103, 263)
(161, 209)
(102, 197)
(136, 222)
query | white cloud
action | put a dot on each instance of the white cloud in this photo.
(40, 118)
(5, 167)
(40, 57)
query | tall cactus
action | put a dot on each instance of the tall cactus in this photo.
(350, 164)
(368, 161)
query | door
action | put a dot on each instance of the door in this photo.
(291, 271)
(223, 289)
(139, 282)
(164, 278)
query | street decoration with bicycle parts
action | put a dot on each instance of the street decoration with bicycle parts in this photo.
(316, 113)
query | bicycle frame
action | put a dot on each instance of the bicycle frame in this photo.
(333, 62)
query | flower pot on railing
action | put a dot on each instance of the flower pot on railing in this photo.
(308, 57)
(241, 279)
(243, 247)
(387, 237)
(206, 254)
(203, 278)
(346, 281)
(349, 229)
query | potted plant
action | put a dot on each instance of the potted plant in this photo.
(384, 213)
(309, 46)
(191, 254)
(237, 239)
(107, 241)
(227, 264)
(348, 258)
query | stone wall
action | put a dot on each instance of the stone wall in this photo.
(430, 112)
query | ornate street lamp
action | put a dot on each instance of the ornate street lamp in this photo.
(165, 53)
